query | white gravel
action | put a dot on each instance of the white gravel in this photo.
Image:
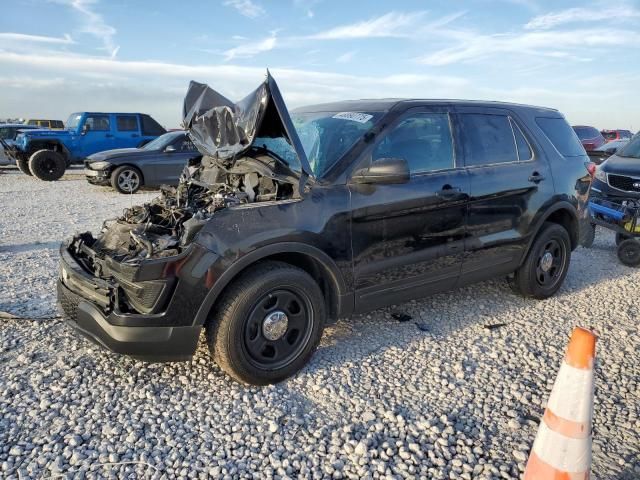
(438, 396)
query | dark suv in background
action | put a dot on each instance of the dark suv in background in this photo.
(291, 221)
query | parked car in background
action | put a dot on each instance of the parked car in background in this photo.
(613, 135)
(50, 124)
(8, 134)
(159, 162)
(46, 153)
(604, 151)
(331, 210)
(590, 137)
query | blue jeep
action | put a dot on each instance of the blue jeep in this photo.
(45, 154)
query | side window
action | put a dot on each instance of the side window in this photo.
(560, 134)
(97, 122)
(33, 122)
(185, 145)
(524, 150)
(488, 139)
(150, 126)
(57, 124)
(423, 140)
(127, 123)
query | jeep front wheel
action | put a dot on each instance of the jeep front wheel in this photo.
(545, 268)
(23, 165)
(268, 324)
(47, 165)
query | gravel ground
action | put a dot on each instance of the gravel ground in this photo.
(441, 395)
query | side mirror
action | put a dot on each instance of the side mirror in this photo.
(170, 149)
(85, 129)
(383, 171)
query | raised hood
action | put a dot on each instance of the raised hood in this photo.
(225, 130)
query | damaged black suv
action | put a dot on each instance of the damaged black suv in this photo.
(293, 220)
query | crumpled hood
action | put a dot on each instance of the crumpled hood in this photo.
(225, 130)
(115, 153)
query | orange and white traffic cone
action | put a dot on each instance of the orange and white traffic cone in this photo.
(562, 448)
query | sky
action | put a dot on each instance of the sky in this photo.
(63, 56)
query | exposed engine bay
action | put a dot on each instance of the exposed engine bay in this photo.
(170, 222)
(251, 154)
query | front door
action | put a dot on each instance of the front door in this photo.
(97, 135)
(509, 184)
(169, 164)
(408, 238)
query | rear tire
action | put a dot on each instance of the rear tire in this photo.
(621, 237)
(267, 325)
(47, 165)
(629, 252)
(589, 235)
(23, 166)
(126, 179)
(545, 268)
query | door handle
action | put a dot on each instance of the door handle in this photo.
(448, 191)
(536, 177)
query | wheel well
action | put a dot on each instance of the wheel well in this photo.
(569, 222)
(309, 264)
(128, 165)
(48, 145)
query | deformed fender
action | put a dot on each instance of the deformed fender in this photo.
(343, 297)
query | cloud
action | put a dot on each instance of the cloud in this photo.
(94, 24)
(392, 24)
(21, 37)
(246, 7)
(250, 49)
(557, 44)
(346, 57)
(574, 15)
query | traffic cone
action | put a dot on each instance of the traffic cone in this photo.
(562, 448)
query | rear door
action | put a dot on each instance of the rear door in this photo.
(509, 181)
(127, 131)
(408, 239)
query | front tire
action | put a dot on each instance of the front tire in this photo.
(629, 252)
(546, 265)
(126, 179)
(267, 325)
(47, 165)
(23, 166)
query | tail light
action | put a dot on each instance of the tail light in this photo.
(591, 168)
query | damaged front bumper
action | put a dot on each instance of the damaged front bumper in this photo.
(97, 177)
(91, 305)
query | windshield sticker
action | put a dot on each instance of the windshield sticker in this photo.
(354, 116)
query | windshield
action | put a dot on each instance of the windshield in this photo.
(8, 133)
(631, 149)
(327, 136)
(162, 141)
(73, 121)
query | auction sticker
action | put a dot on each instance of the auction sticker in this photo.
(354, 116)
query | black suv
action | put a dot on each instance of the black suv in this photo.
(291, 221)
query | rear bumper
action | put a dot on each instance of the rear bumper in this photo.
(153, 344)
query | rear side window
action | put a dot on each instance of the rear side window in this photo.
(562, 136)
(127, 123)
(57, 124)
(524, 150)
(488, 139)
(150, 127)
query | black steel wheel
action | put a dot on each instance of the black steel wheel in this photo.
(267, 324)
(629, 252)
(546, 264)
